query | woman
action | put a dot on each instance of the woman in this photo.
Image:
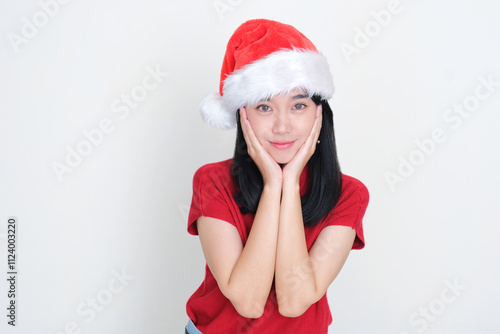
(276, 222)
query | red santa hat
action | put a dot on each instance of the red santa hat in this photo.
(265, 58)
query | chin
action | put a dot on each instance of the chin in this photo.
(283, 157)
(282, 160)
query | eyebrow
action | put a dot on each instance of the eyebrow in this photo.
(295, 97)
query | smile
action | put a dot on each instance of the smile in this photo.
(282, 145)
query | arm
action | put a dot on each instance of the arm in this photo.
(245, 273)
(303, 277)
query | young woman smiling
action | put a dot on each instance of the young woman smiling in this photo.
(276, 222)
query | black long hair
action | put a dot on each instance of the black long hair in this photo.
(324, 173)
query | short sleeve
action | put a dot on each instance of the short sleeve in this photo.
(212, 196)
(351, 208)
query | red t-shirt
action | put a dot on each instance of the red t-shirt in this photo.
(208, 308)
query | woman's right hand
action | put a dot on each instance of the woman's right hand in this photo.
(269, 169)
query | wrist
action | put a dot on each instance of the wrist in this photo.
(291, 184)
(272, 186)
(291, 174)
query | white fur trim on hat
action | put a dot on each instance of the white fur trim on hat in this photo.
(278, 73)
(215, 112)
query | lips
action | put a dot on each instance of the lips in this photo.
(282, 145)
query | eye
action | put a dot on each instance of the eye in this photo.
(264, 108)
(299, 106)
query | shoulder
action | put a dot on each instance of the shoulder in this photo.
(353, 186)
(212, 194)
(216, 171)
(216, 167)
(350, 208)
(354, 194)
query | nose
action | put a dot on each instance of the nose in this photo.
(281, 123)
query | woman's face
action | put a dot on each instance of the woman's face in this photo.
(283, 123)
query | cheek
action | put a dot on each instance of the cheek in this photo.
(306, 127)
(258, 127)
(258, 134)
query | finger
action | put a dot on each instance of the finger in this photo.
(244, 125)
(319, 123)
(251, 139)
(319, 111)
(310, 144)
(312, 139)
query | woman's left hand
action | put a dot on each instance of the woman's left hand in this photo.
(293, 169)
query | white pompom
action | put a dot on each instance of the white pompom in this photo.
(215, 112)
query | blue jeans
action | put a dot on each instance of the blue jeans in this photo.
(191, 328)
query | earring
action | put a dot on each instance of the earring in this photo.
(319, 141)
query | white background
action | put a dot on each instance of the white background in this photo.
(123, 207)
